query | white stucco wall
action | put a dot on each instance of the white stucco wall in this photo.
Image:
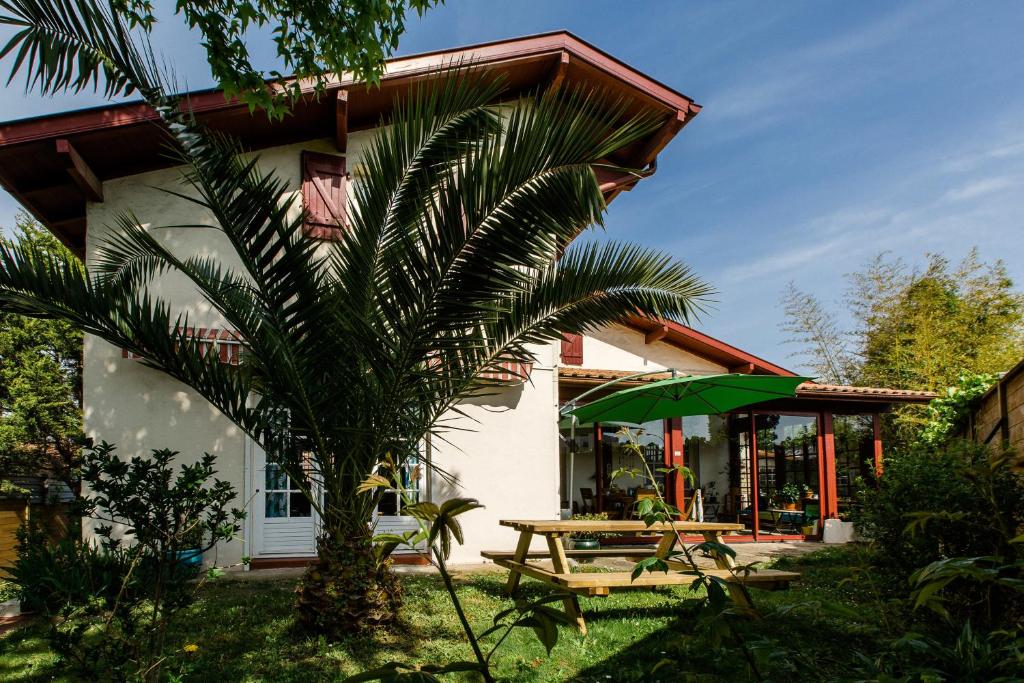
(141, 409)
(507, 458)
(621, 348)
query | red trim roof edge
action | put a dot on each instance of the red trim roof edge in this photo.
(17, 131)
(717, 350)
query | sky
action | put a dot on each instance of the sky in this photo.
(831, 131)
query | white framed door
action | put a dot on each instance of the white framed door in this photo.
(284, 523)
(388, 518)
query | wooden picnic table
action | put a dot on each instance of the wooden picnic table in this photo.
(600, 584)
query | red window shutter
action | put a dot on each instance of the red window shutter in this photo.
(510, 372)
(572, 349)
(323, 195)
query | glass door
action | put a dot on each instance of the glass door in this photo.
(390, 516)
(620, 496)
(788, 473)
(285, 523)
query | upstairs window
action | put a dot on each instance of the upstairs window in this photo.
(572, 349)
(324, 181)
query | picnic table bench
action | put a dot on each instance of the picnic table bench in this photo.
(593, 584)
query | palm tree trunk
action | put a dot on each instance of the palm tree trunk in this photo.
(348, 589)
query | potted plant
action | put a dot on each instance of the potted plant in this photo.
(790, 495)
(190, 546)
(588, 540)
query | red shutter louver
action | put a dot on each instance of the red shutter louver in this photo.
(509, 372)
(572, 349)
(225, 343)
(324, 182)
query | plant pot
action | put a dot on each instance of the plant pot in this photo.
(838, 531)
(190, 560)
(807, 530)
(586, 544)
(789, 506)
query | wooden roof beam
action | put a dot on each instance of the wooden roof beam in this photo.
(657, 334)
(559, 72)
(742, 369)
(664, 135)
(79, 170)
(341, 120)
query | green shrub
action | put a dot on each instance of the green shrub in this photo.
(46, 576)
(109, 603)
(592, 517)
(941, 483)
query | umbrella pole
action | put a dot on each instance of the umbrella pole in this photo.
(572, 460)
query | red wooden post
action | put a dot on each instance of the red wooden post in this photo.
(598, 468)
(675, 484)
(754, 505)
(829, 491)
(876, 423)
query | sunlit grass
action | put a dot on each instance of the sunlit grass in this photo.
(245, 631)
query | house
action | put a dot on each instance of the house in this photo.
(76, 171)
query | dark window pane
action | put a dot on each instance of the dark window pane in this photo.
(275, 478)
(388, 504)
(299, 505)
(276, 505)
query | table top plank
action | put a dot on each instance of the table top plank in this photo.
(566, 526)
(648, 579)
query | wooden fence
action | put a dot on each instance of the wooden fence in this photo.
(999, 414)
(45, 502)
(53, 518)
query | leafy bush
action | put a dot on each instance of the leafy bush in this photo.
(941, 484)
(47, 576)
(109, 605)
(594, 517)
(948, 413)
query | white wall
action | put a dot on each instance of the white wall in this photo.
(507, 459)
(618, 347)
(141, 409)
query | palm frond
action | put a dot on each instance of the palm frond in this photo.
(73, 45)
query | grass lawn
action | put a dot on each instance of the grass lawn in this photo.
(245, 632)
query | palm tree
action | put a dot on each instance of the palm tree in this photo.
(456, 258)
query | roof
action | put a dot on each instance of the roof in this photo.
(807, 390)
(733, 358)
(53, 164)
(842, 391)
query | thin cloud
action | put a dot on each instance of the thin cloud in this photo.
(979, 188)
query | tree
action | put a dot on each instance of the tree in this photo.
(913, 329)
(456, 257)
(924, 329)
(315, 40)
(816, 329)
(40, 379)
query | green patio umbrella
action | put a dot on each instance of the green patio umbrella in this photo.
(677, 396)
(687, 395)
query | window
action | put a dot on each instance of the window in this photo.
(283, 498)
(787, 453)
(393, 500)
(855, 453)
(324, 194)
(651, 439)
